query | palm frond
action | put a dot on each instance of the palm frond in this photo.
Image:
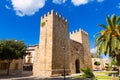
(109, 22)
(98, 48)
(99, 40)
(117, 31)
(116, 52)
(102, 25)
(118, 44)
(118, 20)
(114, 43)
(107, 36)
(108, 49)
(113, 20)
(103, 47)
(105, 44)
(96, 35)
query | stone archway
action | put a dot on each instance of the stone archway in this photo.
(77, 66)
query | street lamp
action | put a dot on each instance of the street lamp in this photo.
(64, 60)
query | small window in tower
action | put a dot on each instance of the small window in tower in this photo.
(46, 20)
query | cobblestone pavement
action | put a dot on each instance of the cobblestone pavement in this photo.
(28, 76)
(36, 78)
(42, 79)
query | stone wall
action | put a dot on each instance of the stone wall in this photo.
(77, 53)
(16, 66)
(60, 45)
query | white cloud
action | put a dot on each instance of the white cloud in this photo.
(100, 0)
(93, 50)
(59, 1)
(7, 7)
(83, 2)
(79, 2)
(27, 7)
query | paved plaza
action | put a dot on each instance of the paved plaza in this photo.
(28, 76)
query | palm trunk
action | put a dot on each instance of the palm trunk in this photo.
(8, 67)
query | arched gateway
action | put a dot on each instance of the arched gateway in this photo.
(77, 66)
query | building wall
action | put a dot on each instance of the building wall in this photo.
(16, 66)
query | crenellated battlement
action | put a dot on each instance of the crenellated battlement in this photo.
(52, 12)
(77, 31)
(49, 13)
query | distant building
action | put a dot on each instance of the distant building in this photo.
(102, 61)
(29, 58)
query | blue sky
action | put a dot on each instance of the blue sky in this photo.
(20, 19)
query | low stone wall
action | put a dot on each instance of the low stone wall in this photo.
(11, 71)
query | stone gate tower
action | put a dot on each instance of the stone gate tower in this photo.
(55, 47)
(81, 36)
(53, 37)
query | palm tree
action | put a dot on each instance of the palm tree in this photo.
(107, 40)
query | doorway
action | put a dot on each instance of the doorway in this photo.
(77, 66)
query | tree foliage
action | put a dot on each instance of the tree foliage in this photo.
(11, 49)
(113, 61)
(107, 40)
(88, 73)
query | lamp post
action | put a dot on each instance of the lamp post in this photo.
(64, 60)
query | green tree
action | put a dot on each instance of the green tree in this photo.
(88, 73)
(11, 49)
(97, 63)
(107, 40)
